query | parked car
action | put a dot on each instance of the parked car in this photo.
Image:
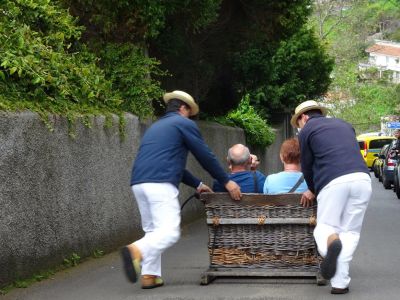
(387, 168)
(378, 163)
(370, 145)
(396, 179)
(396, 171)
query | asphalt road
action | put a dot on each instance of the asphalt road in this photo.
(375, 270)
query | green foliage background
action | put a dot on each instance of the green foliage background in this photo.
(132, 74)
(360, 97)
(258, 133)
(261, 48)
(298, 70)
(80, 57)
(42, 67)
(46, 68)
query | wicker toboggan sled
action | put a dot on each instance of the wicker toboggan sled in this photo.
(260, 236)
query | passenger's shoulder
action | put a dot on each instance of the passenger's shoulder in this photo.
(274, 176)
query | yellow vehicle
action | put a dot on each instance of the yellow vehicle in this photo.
(370, 145)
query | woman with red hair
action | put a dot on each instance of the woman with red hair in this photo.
(291, 179)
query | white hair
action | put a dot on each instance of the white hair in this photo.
(238, 155)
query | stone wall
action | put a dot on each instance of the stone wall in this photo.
(61, 195)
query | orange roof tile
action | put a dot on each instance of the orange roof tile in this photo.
(384, 49)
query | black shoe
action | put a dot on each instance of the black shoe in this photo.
(337, 291)
(328, 265)
(128, 265)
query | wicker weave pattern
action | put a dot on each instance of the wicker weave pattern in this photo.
(278, 246)
(235, 258)
(253, 246)
(230, 210)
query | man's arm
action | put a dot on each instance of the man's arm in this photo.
(203, 154)
(306, 160)
(195, 143)
(190, 180)
(218, 188)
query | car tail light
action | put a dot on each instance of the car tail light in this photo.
(391, 163)
(365, 149)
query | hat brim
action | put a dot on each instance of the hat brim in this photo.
(293, 120)
(194, 108)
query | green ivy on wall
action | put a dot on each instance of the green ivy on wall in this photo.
(45, 68)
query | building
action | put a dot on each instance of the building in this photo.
(384, 57)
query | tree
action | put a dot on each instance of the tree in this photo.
(109, 58)
(298, 70)
(328, 14)
(137, 21)
(219, 63)
(358, 100)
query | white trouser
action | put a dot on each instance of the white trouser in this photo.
(161, 216)
(341, 209)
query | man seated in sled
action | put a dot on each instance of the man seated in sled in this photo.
(240, 161)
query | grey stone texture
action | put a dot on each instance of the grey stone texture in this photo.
(61, 195)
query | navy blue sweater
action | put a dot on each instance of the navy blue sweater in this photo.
(329, 149)
(164, 149)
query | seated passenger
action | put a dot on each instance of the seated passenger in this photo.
(284, 182)
(239, 161)
(254, 162)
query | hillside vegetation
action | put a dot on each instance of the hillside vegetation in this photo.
(348, 28)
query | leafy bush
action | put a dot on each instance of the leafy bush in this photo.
(39, 63)
(132, 74)
(45, 68)
(258, 133)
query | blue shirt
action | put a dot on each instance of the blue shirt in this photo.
(164, 149)
(245, 180)
(283, 182)
(329, 149)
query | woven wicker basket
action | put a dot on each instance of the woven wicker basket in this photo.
(261, 231)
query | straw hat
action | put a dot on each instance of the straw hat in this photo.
(304, 107)
(185, 97)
